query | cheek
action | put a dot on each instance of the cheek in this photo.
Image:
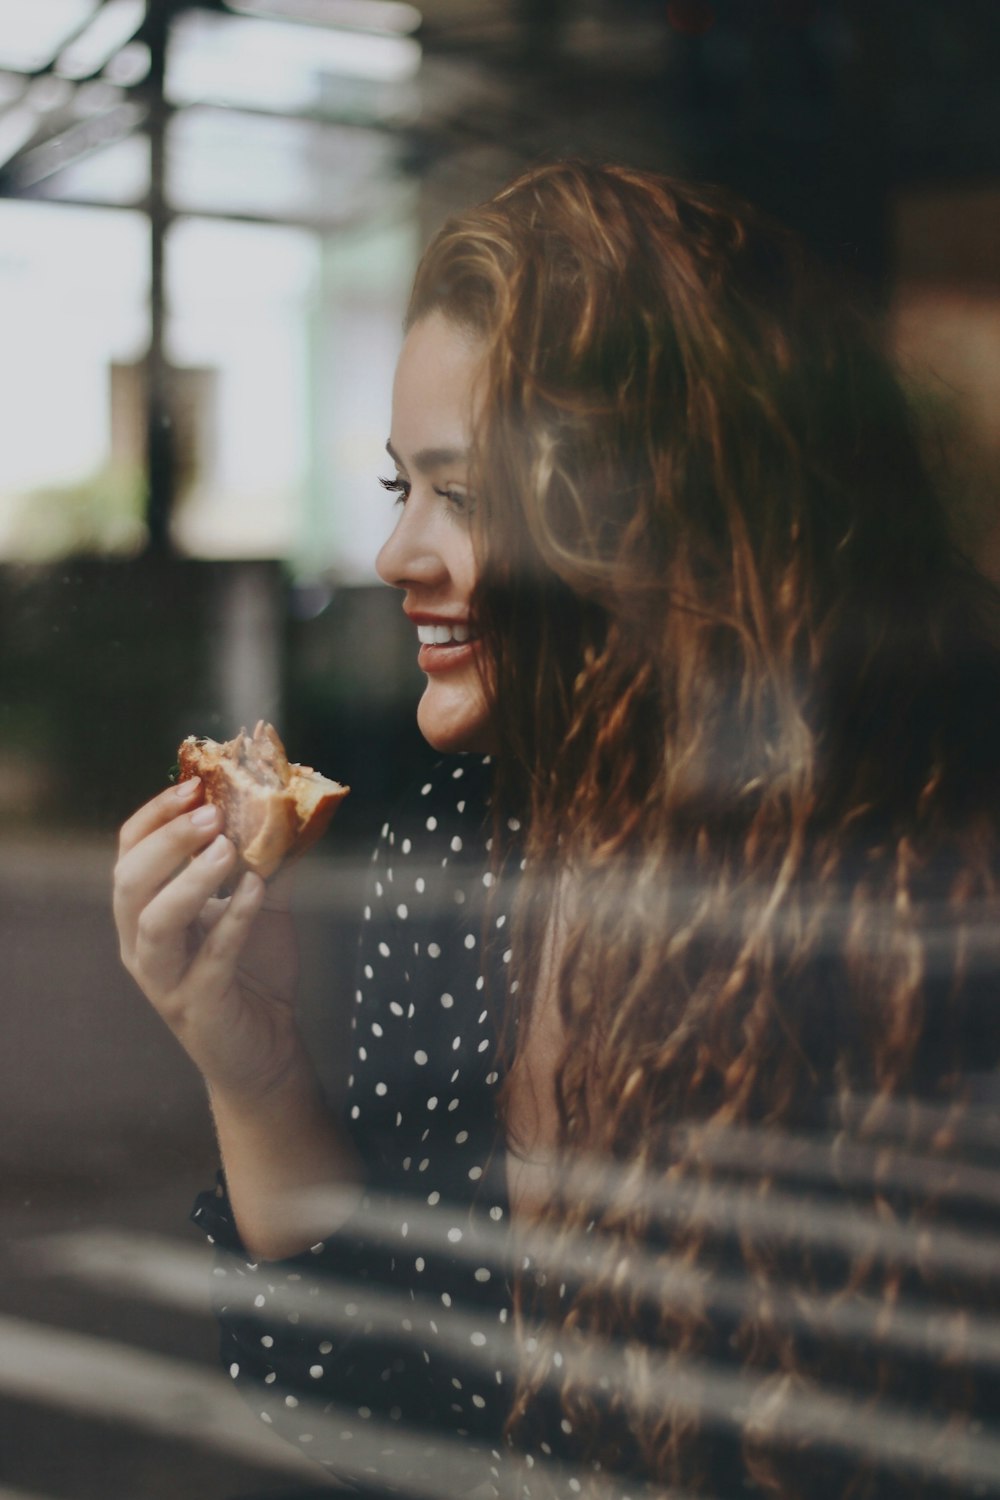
(462, 563)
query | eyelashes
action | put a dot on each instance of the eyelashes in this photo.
(459, 501)
(397, 486)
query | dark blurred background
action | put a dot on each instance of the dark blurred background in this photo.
(209, 215)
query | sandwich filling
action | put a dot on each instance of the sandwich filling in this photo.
(273, 807)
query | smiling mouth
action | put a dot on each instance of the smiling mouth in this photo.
(445, 647)
(444, 635)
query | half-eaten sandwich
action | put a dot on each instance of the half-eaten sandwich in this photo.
(273, 808)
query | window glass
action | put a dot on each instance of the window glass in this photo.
(73, 293)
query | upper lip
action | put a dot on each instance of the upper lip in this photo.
(423, 617)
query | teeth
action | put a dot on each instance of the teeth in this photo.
(442, 635)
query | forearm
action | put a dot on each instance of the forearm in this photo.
(293, 1176)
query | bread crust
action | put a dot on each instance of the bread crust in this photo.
(273, 808)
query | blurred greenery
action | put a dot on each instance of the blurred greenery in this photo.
(99, 516)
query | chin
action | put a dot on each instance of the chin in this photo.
(454, 728)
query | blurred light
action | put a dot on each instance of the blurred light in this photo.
(11, 87)
(359, 15)
(203, 68)
(117, 1383)
(74, 257)
(74, 287)
(215, 265)
(90, 135)
(17, 127)
(273, 65)
(48, 93)
(32, 31)
(223, 161)
(309, 599)
(95, 98)
(117, 175)
(114, 24)
(130, 65)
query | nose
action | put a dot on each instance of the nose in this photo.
(410, 555)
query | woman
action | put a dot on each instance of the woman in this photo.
(677, 572)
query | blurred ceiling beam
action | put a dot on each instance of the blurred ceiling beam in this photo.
(819, 109)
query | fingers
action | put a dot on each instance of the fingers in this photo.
(171, 862)
(155, 859)
(161, 809)
(212, 967)
(275, 897)
(213, 910)
(160, 953)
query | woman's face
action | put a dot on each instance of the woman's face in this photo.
(429, 554)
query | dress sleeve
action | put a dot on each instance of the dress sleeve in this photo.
(315, 1344)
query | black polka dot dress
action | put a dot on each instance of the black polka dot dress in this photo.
(387, 1350)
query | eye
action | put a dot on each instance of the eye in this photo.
(460, 500)
(398, 486)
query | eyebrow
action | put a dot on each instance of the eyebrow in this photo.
(429, 459)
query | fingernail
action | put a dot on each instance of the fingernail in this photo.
(217, 849)
(204, 817)
(186, 789)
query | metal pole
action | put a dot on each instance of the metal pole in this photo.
(160, 437)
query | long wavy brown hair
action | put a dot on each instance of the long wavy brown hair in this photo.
(747, 703)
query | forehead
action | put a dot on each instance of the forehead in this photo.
(436, 393)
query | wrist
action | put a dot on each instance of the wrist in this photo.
(286, 1163)
(292, 1086)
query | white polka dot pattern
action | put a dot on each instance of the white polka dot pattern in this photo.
(420, 1105)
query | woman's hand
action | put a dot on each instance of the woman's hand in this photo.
(220, 971)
